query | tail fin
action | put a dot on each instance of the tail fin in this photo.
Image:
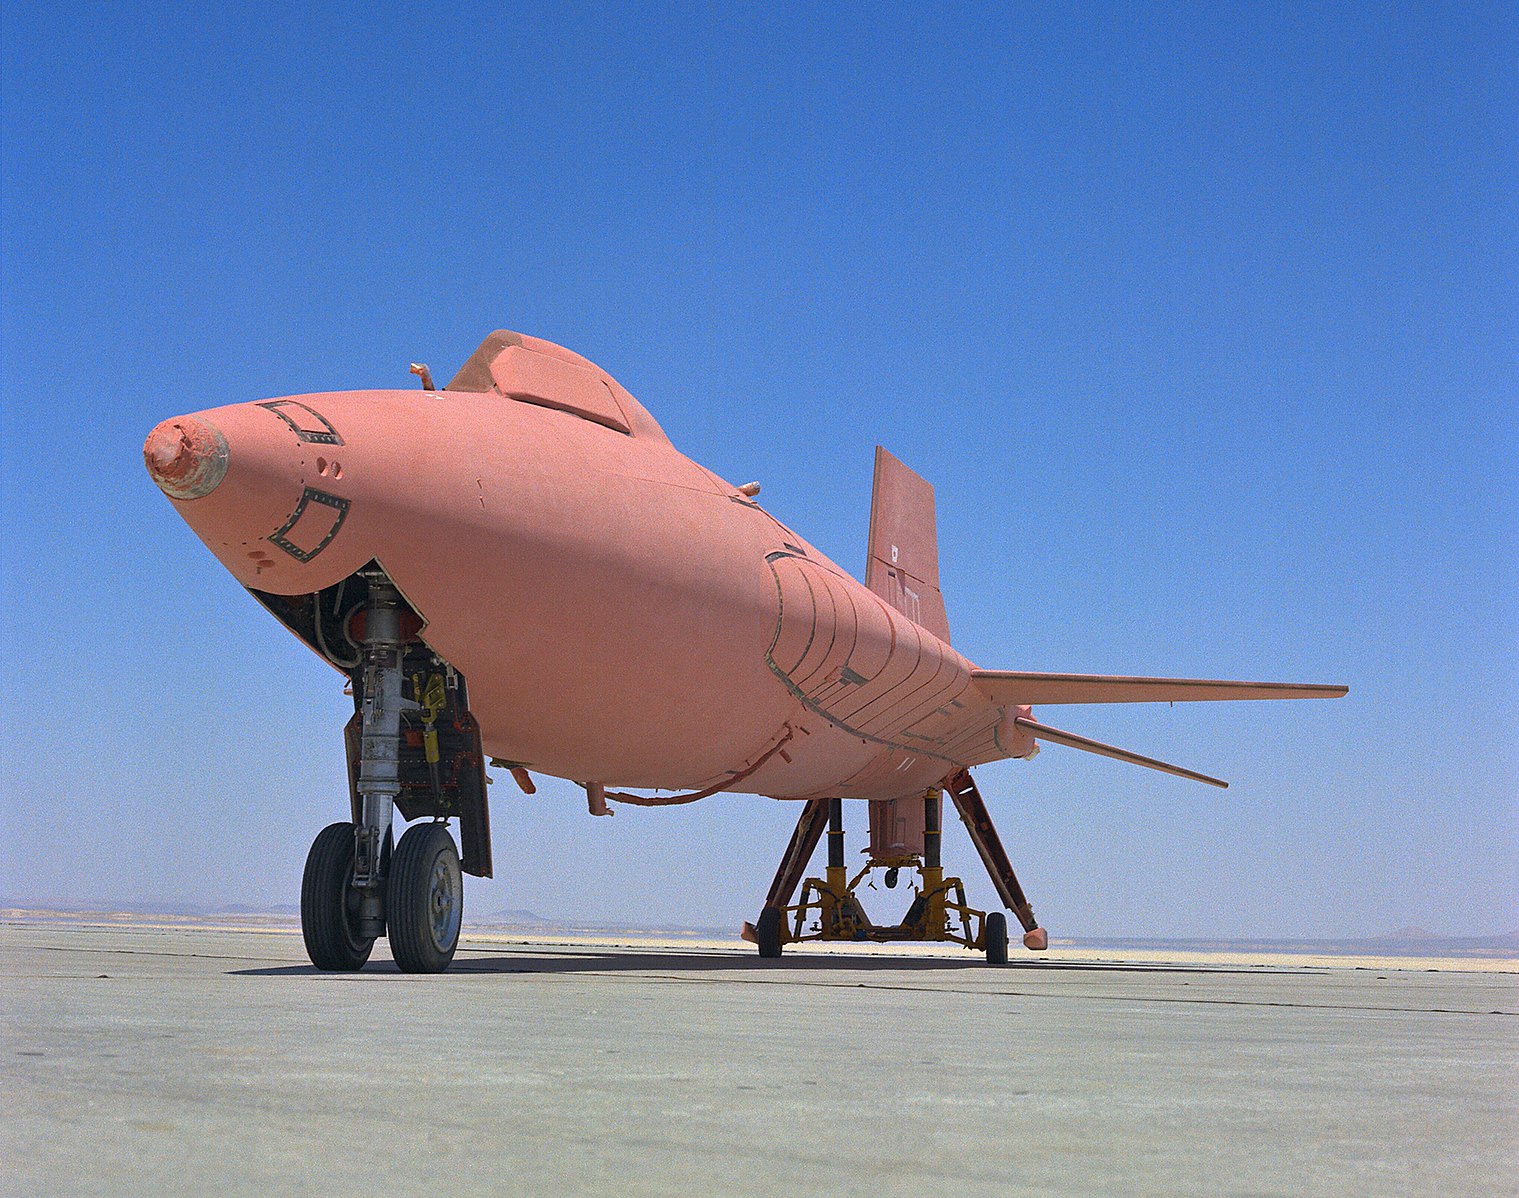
(903, 566)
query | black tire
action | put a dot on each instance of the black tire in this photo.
(996, 938)
(424, 901)
(328, 923)
(767, 931)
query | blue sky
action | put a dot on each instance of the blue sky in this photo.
(1203, 323)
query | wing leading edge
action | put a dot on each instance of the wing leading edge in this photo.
(1014, 688)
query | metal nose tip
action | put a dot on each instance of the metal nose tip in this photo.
(186, 457)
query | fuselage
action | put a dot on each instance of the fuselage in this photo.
(623, 615)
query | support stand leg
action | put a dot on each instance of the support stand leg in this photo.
(804, 840)
(838, 875)
(939, 911)
(978, 822)
(839, 912)
(770, 932)
(934, 896)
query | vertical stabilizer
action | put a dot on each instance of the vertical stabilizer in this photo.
(903, 566)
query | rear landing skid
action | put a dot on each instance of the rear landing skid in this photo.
(829, 908)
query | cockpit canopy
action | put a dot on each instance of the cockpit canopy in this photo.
(531, 370)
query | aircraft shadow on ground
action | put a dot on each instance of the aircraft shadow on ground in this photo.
(632, 961)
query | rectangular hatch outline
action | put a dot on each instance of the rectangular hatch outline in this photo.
(330, 437)
(309, 496)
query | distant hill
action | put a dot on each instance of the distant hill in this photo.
(513, 917)
(1426, 941)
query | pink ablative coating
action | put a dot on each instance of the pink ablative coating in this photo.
(623, 616)
(186, 457)
(616, 608)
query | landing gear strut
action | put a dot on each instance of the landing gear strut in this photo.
(419, 753)
(829, 908)
(380, 749)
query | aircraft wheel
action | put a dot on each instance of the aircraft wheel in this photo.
(328, 919)
(996, 938)
(767, 930)
(424, 902)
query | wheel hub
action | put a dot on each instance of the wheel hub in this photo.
(443, 905)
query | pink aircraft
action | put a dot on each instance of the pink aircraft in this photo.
(522, 568)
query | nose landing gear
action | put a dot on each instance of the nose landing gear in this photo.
(420, 754)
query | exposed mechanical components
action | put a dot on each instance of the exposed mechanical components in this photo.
(413, 747)
(380, 706)
(441, 761)
(829, 908)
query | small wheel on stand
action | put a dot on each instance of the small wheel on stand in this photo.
(329, 921)
(424, 901)
(767, 931)
(996, 938)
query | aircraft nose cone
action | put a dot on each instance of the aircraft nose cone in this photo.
(186, 457)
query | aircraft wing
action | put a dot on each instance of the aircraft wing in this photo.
(1087, 744)
(1014, 688)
